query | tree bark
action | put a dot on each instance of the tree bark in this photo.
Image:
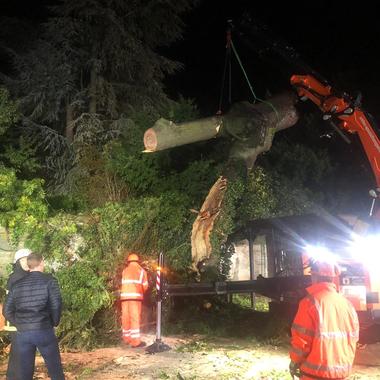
(92, 90)
(245, 122)
(166, 134)
(251, 129)
(250, 140)
(204, 223)
(69, 129)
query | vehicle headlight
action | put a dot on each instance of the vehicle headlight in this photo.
(366, 250)
(320, 253)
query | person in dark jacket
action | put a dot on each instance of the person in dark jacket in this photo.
(20, 270)
(33, 305)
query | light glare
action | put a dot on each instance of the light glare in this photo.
(366, 250)
(320, 253)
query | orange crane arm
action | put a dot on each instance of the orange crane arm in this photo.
(345, 114)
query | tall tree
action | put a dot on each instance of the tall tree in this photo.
(250, 130)
(94, 61)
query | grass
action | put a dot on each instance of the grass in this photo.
(244, 300)
(194, 346)
(163, 375)
(181, 377)
(85, 372)
(227, 320)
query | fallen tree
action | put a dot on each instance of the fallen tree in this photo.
(250, 129)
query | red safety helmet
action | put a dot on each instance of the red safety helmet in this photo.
(133, 257)
(324, 268)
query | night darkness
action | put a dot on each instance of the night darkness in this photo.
(337, 40)
(340, 42)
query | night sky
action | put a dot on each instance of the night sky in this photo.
(337, 40)
(340, 41)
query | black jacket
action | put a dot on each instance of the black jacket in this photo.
(34, 302)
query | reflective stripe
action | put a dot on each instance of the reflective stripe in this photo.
(302, 329)
(139, 281)
(135, 333)
(9, 328)
(327, 368)
(337, 334)
(298, 351)
(130, 282)
(145, 283)
(131, 295)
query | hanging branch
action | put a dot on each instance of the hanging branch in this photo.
(250, 130)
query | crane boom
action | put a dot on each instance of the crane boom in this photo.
(342, 109)
(337, 106)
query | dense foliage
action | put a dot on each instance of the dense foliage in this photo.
(74, 183)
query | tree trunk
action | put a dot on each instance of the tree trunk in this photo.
(166, 134)
(251, 138)
(245, 122)
(69, 130)
(92, 90)
(204, 223)
(251, 129)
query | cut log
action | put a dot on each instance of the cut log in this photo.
(166, 134)
(245, 122)
(250, 128)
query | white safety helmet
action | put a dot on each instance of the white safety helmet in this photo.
(24, 252)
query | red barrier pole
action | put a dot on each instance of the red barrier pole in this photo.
(158, 345)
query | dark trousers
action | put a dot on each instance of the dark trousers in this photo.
(46, 343)
(13, 370)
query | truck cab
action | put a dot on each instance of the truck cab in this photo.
(280, 248)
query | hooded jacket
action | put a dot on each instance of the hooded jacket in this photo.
(17, 274)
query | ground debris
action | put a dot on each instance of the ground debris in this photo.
(194, 359)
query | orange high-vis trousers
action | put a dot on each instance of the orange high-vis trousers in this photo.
(130, 321)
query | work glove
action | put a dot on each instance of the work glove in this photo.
(294, 369)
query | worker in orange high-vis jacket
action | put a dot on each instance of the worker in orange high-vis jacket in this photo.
(325, 329)
(134, 284)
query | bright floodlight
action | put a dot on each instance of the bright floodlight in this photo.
(367, 250)
(320, 253)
